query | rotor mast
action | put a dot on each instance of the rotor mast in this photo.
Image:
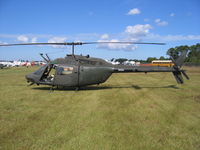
(73, 46)
(73, 49)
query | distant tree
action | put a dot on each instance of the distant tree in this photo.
(150, 59)
(162, 58)
(175, 52)
(193, 55)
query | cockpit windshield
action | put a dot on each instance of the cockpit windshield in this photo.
(40, 70)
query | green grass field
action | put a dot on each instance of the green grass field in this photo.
(129, 111)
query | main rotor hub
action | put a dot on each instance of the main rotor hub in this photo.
(74, 43)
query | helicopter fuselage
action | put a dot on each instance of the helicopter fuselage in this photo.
(72, 71)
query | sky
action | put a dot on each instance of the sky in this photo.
(174, 22)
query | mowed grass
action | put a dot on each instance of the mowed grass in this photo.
(129, 111)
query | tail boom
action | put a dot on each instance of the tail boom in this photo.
(145, 69)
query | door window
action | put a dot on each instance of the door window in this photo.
(64, 70)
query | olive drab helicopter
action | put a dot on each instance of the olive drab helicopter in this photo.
(78, 71)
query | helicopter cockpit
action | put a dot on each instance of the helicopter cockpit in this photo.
(51, 73)
(48, 74)
(45, 74)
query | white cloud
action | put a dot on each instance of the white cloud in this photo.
(104, 36)
(171, 38)
(138, 30)
(161, 23)
(3, 42)
(34, 40)
(131, 34)
(22, 38)
(134, 11)
(116, 46)
(181, 37)
(146, 19)
(57, 40)
(29, 36)
(157, 20)
(172, 14)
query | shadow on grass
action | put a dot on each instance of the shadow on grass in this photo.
(137, 87)
(153, 87)
(74, 88)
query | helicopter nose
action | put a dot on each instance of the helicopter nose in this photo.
(29, 78)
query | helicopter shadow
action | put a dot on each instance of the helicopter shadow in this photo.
(155, 87)
(73, 88)
(87, 88)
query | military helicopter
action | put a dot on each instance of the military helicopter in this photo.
(78, 71)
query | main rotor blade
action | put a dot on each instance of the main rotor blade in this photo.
(35, 44)
(79, 43)
(122, 43)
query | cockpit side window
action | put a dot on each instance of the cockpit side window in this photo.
(64, 70)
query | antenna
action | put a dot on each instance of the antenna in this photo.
(44, 57)
(48, 57)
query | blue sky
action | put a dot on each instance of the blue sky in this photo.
(173, 22)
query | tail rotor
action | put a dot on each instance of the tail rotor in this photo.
(177, 68)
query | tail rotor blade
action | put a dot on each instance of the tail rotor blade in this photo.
(177, 65)
(180, 60)
(178, 77)
(185, 75)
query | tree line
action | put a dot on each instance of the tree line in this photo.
(192, 57)
(193, 54)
